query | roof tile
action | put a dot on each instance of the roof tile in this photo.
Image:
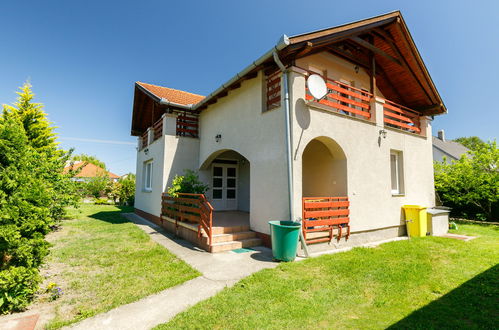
(172, 95)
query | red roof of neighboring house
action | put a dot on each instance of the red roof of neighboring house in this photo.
(172, 95)
(89, 170)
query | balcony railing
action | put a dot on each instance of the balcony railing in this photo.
(144, 140)
(345, 99)
(187, 125)
(398, 116)
(157, 129)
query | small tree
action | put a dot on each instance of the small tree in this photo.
(187, 183)
(126, 189)
(471, 185)
(471, 142)
(98, 186)
(90, 160)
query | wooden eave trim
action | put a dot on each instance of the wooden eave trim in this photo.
(349, 27)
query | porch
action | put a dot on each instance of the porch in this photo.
(192, 217)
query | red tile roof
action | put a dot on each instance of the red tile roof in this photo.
(172, 95)
(89, 170)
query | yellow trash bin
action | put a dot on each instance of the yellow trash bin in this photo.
(416, 220)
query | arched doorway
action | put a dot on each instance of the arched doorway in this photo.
(228, 175)
(324, 169)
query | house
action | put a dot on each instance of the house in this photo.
(345, 164)
(451, 150)
(87, 171)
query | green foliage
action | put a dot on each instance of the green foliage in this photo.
(33, 194)
(18, 285)
(89, 159)
(126, 189)
(187, 183)
(98, 186)
(471, 185)
(471, 142)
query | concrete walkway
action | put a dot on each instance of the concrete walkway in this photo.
(219, 270)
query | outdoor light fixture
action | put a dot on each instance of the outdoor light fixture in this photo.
(382, 133)
(356, 68)
(218, 137)
(146, 151)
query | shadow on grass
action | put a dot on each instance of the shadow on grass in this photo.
(473, 305)
(113, 217)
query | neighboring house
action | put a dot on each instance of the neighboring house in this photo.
(87, 171)
(356, 156)
(451, 150)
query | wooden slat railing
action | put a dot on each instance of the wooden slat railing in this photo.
(398, 116)
(322, 214)
(273, 91)
(157, 129)
(187, 125)
(346, 99)
(191, 208)
(144, 140)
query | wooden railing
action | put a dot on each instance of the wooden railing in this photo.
(190, 208)
(144, 141)
(273, 90)
(187, 125)
(322, 214)
(157, 129)
(398, 116)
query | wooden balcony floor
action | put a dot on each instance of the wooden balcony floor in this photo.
(230, 219)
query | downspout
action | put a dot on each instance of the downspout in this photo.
(288, 134)
(289, 157)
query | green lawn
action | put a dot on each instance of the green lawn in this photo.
(422, 283)
(101, 261)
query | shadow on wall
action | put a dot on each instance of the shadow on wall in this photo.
(473, 305)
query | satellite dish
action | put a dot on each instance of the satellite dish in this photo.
(317, 86)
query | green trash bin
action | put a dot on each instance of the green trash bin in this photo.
(284, 236)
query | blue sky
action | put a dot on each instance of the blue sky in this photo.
(83, 57)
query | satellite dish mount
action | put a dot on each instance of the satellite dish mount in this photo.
(317, 87)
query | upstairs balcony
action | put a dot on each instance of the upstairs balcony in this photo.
(185, 125)
(359, 103)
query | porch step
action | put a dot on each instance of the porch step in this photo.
(227, 230)
(232, 245)
(235, 236)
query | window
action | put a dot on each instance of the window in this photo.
(148, 176)
(397, 172)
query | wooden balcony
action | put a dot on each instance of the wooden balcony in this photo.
(345, 99)
(400, 117)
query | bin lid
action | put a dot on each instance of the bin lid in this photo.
(419, 207)
(436, 210)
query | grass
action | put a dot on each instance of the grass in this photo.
(101, 261)
(422, 283)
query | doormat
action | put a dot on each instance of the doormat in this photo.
(243, 250)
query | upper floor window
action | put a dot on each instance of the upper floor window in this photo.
(397, 172)
(272, 91)
(147, 176)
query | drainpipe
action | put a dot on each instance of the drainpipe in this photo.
(288, 146)
(288, 134)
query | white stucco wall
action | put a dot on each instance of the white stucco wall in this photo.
(257, 136)
(171, 155)
(368, 161)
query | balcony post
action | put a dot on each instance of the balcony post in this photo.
(377, 111)
(150, 135)
(424, 123)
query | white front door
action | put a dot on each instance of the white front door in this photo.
(224, 187)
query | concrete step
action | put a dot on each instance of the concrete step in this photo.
(232, 245)
(237, 236)
(227, 230)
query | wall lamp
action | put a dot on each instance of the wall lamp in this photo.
(218, 137)
(146, 151)
(382, 133)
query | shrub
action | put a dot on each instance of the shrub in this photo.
(126, 189)
(471, 185)
(33, 194)
(187, 183)
(18, 285)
